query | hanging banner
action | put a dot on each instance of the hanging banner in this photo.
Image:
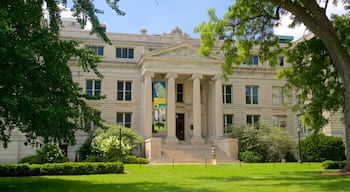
(159, 105)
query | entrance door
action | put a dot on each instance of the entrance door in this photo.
(180, 126)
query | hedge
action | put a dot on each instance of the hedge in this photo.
(333, 164)
(68, 168)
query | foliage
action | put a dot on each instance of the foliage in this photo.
(41, 99)
(333, 164)
(48, 154)
(34, 159)
(314, 80)
(251, 157)
(131, 159)
(319, 147)
(272, 143)
(70, 168)
(104, 144)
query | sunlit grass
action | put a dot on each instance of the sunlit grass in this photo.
(190, 178)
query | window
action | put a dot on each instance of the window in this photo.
(125, 53)
(93, 87)
(281, 61)
(228, 121)
(253, 61)
(252, 94)
(278, 96)
(179, 93)
(90, 125)
(253, 120)
(227, 94)
(124, 119)
(97, 49)
(279, 121)
(124, 90)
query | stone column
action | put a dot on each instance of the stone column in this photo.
(148, 104)
(197, 113)
(219, 127)
(171, 110)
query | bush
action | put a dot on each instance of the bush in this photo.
(333, 164)
(319, 147)
(69, 168)
(51, 154)
(34, 159)
(134, 160)
(251, 157)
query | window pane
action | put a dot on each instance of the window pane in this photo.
(249, 120)
(255, 60)
(128, 86)
(229, 119)
(120, 85)
(228, 99)
(98, 85)
(179, 87)
(131, 53)
(179, 97)
(100, 51)
(88, 84)
(119, 53)
(120, 96)
(127, 117)
(128, 96)
(228, 89)
(119, 118)
(255, 90)
(124, 53)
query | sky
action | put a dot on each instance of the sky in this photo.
(161, 16)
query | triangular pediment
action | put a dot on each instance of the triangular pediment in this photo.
(183, 51)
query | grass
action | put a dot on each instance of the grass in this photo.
(190, 178)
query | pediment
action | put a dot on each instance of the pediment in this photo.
(183, 51)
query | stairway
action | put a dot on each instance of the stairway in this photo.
(188, 153)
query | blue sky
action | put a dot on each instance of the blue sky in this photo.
(159, 16)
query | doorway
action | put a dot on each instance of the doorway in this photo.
(180, 126)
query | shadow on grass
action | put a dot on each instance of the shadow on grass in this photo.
(307, 179)
(38, 184)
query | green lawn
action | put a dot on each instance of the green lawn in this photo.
(190, 178)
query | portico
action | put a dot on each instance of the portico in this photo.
(202, 84)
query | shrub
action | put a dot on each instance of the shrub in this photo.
(251, 157)
(69, 168)
(51, 154)
(333, 164)
(34, 159)
(130, 159)
(319, 147)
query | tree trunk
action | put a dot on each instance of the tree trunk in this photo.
(347, 120)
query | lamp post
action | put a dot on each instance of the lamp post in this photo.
(120, 142)
(299, 143)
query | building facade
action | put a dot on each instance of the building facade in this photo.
(160, 87)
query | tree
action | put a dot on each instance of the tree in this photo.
(249, 23)
(37, 93)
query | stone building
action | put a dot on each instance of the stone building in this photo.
(177, 100)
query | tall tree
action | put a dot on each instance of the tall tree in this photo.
(37, 93)
(248, 23)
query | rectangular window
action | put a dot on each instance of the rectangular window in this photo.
(279, 121)
(124, 90)
(97, 49)
(278, 96)
(252, 94)
(93, 87)
(254, 60)
(124, 119)
(179, 93)
(228, 121)
(227, 94)
(281, 61)
(125, 53)
(90, 125)
(253, 120)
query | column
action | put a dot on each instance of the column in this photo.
(197, 113)
(171, 110)
(148, 104)
(219, 127)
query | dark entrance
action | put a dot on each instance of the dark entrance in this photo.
(180, 126)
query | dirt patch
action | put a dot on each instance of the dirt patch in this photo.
(336, 173)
